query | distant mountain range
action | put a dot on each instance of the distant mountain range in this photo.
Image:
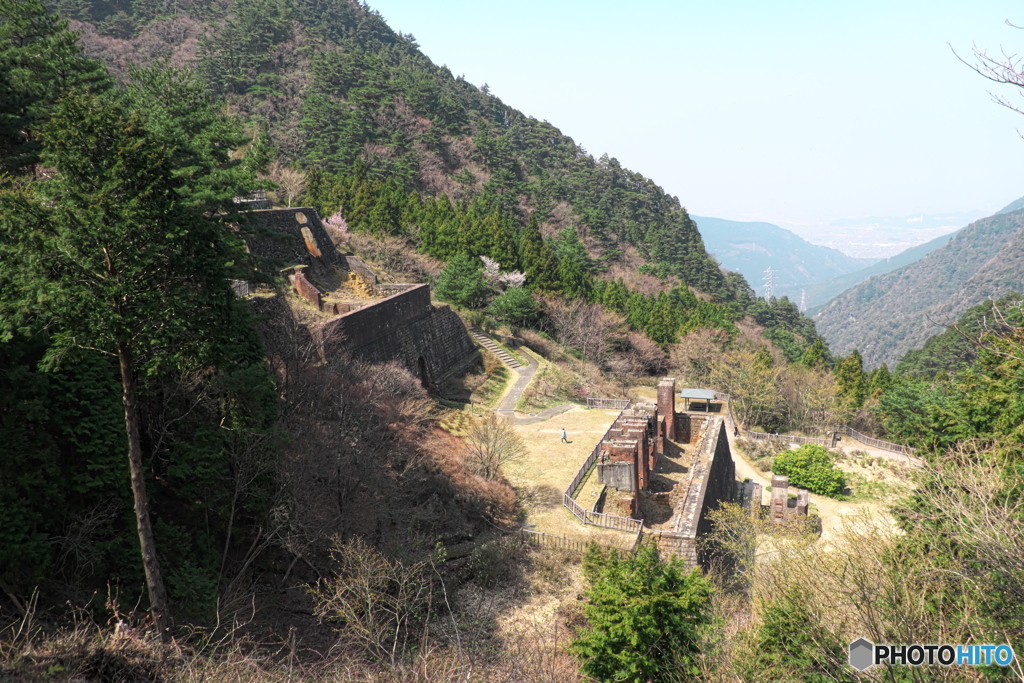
(889, 314)
(751, 248)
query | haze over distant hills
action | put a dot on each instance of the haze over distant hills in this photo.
(888, 315)
(751, 248)
(883, 236)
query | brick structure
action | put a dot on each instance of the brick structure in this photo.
(667, 407)
(306, 289)
(780, 498)
(711, 481)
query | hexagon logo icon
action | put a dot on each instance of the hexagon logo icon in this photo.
(862, 654)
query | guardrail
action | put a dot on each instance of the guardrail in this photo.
(878, 443)
(612, 403)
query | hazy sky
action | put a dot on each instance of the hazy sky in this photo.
(790, 112)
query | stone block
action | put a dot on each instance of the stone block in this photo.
(306, 289)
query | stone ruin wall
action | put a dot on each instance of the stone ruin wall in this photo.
(292, 236)
(430, 341)
(711, 481)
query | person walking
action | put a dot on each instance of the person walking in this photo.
(565, 438)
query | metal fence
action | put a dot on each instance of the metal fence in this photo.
(878, 443)
(240, 288)
(612, 403)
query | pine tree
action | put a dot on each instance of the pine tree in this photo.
(573, 264)
(538, 261)
(462, 282)
(644, 616)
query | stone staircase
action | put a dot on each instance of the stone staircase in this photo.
(491, 346)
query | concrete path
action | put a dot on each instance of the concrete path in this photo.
(508, 404)
(544, 414)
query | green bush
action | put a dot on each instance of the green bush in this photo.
(810, 467)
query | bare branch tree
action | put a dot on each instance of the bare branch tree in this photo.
(491, 443)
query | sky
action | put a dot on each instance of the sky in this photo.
(803, 114)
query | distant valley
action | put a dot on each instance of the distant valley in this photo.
(751, 248)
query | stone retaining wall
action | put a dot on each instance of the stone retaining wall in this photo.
(428, 340)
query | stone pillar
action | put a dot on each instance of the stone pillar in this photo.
(667, 405)
(780, 497)
(803, 499)
(755, 499)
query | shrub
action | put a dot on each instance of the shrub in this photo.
(810, 467)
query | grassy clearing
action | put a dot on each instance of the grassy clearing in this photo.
(541, 476)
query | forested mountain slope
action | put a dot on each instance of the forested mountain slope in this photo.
(887, 316)
(334, 87)
(751, 247)
(821, 293)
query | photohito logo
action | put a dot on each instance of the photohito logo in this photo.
(864, 654)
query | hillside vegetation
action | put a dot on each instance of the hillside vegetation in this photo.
(888, 315)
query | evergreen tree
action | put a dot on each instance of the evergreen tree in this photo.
(122, 252)
(538, 261)
(816, 355)
(790, 644)
(462, 282)
(40, 61)
(516, 306)
(879, 380)
(573, 264)
(644, 616)
(853, 385)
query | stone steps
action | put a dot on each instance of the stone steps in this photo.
(491, 346)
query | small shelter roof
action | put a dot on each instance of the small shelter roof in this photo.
(700, 394)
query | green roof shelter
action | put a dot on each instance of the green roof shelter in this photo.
(691, 395)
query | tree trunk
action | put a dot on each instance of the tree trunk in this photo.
(154, 579)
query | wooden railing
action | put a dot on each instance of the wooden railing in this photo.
(543, 540)
(785, 438)
(878, 443)
(612, 403)
(569, 496)
(539, 538)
